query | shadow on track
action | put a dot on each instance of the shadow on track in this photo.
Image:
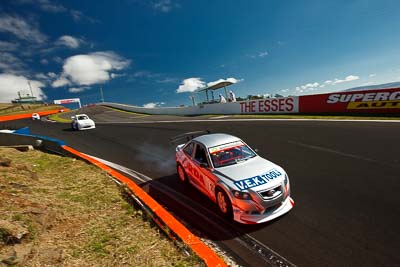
(196, 210)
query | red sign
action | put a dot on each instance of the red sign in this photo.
(367, 101)
(270, 105)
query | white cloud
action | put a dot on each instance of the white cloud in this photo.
(232, 80)
(153, 105)
(144, 74)
(372, 75)
(167, 80)
(78, 89)
(8, 46)
(260, 54)
(316, 85)
(90, 69)
(44, 61)
(21, 28)
(41, 76)
(190, 85)
(52, 75)
(164, 6)
(52, 7)
(58, 59)
(47, 78)
(310, 86)
(48, 6)
(347, 79)
(69, 41)
(60, 82)
(78, 16)
(116, 75)
(10, 63)
(11, 84)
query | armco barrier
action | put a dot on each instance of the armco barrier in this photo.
(193, 242)
(29, 115)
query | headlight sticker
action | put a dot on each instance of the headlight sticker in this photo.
(257, 180)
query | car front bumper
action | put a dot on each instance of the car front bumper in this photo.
(243, 216)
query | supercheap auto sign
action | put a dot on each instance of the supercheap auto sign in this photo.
(377, 101)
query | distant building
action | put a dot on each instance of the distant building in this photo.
(27, 99)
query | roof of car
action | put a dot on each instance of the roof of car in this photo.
(211, 140)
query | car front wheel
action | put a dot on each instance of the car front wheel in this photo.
(224, 203)
(182, 174)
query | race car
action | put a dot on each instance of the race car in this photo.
(82, 122)
(246, 187)
(35, 116)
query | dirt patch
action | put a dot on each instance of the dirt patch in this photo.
(60, 211)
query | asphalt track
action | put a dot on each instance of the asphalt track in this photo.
(344, 179)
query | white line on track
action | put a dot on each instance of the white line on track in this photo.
(333, 151)
(219, 117)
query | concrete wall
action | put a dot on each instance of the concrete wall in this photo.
(262, 106)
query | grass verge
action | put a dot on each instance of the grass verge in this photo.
(71, 213)
(14, 109)
(56, 117)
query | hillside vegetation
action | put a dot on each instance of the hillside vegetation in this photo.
(59, 211)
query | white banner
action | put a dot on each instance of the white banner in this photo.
(68, 101)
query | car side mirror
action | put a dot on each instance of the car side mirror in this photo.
(256, 150)
(203, 165)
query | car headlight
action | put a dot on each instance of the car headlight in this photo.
(241, 195)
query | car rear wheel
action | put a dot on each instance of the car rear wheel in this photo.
(224, 204)
(182, 174)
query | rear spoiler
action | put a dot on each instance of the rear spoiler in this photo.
(185, 137)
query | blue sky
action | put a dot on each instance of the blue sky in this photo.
(157, 52)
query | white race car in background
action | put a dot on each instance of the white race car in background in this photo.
(35, 116)
(245, 186)
(82, 122)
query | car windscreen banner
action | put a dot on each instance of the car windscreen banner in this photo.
(366, 101)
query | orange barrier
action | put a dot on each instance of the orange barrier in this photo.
(202, 250)
(29, 115)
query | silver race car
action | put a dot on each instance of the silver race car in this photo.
(82, 122)
(245, 186)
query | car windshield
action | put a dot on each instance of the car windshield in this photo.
(230, 155)
(82, 118)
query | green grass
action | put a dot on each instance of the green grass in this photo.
(56, 117)
(127, 111)
(75, 207)
(14, 109)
